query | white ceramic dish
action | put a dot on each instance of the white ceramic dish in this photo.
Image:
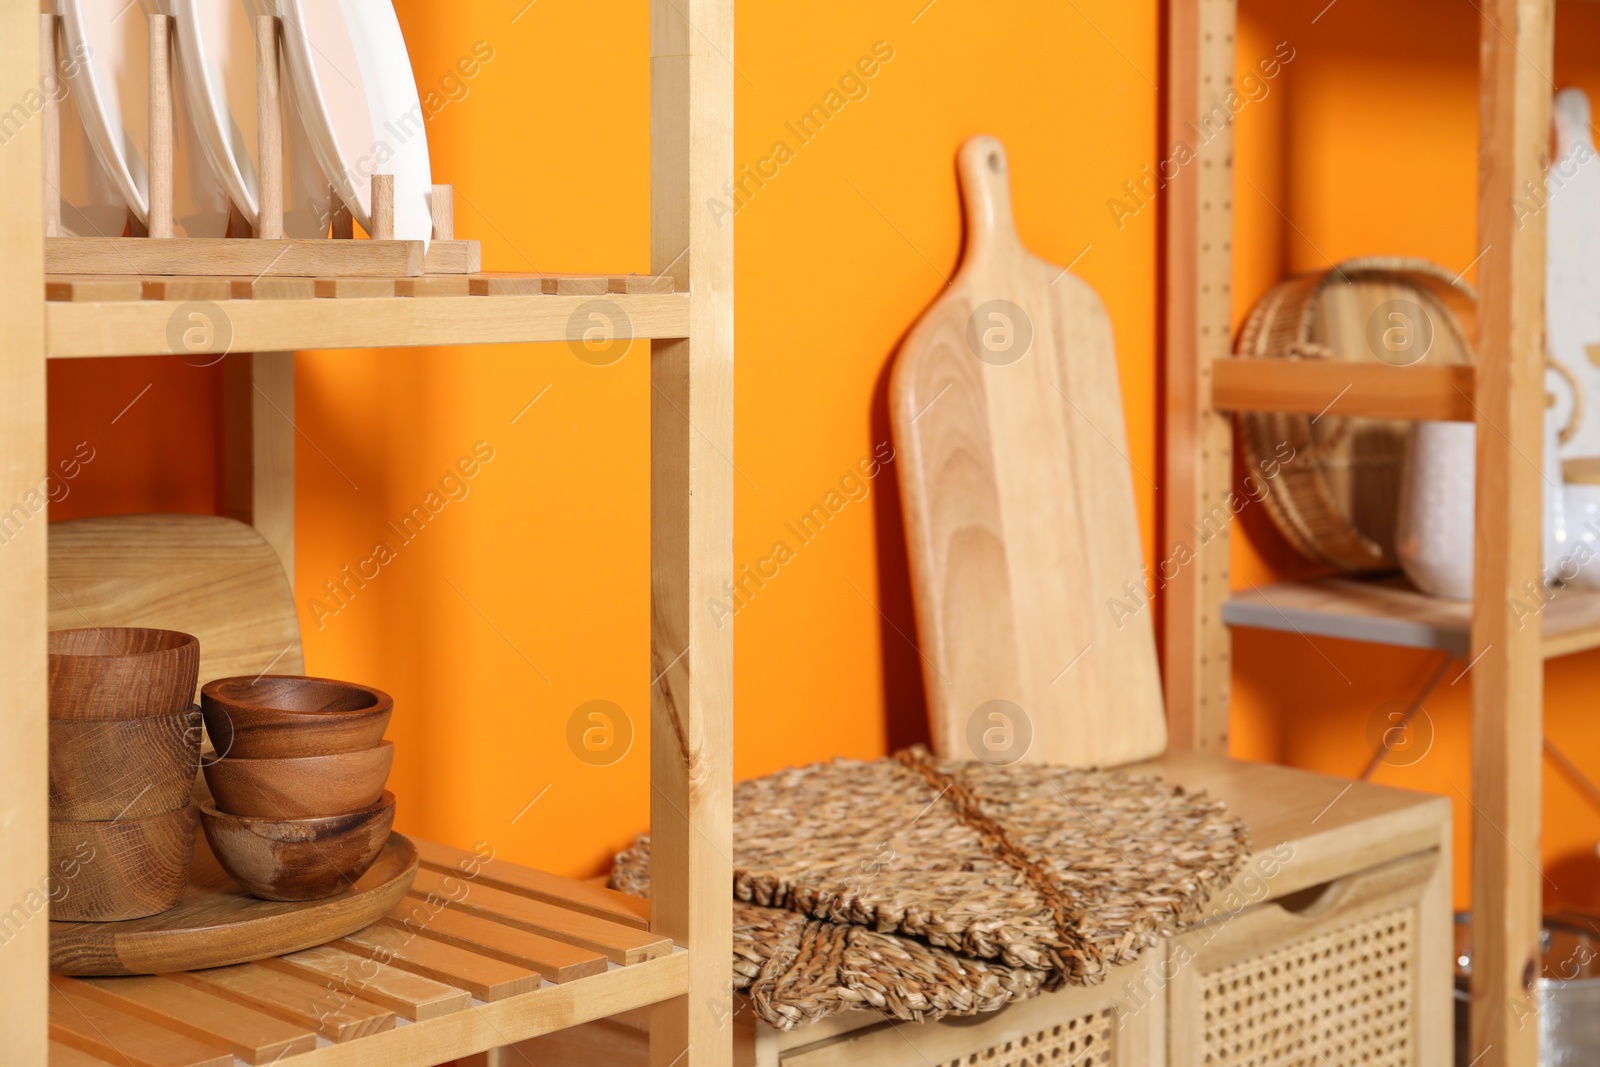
(91, 203)
(358, 98)
(112, 86)
(218, 58)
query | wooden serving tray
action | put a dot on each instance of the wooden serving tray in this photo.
(219, 924)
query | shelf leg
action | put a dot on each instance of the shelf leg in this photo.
(1197, 660)
(24, 802)
(691, 529)
(258, 447)
(1516, 53)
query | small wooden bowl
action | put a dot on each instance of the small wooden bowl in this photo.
(121, 672)
(298, 859)
(304, 787)
(122, 768)
(128, 869)
(277, 716)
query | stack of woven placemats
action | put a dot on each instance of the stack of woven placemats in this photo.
(922, 887)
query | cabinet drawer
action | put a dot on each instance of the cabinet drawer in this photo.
(1331, 974)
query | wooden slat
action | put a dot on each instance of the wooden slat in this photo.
(557, 961)
(485, 978)
(453, 257)
(252, 1035)
(540, 284)
(502, 1022)
(273, 288)
(408, 995)
(92, 1027)
(640, 283)
(186, 289)
(620, 944)
(335, 1014)
(24, 801)
(1388, 611)
(67, 1056)
(1516, 53)
(552, 889)
(229, 256)
(433, 285)
(351, 288)
(139, 328)
(1198, 476)
(1314, 387)
(90, 289)
(691, 524)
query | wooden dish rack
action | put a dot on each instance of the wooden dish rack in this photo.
(479, 989)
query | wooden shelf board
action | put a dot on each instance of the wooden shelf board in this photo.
(1315, 387)
(1389, 611)
(160, 327)
(446, 974)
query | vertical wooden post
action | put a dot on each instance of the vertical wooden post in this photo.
(1516, 50)
(691, 527)
(53, 86)
(160, 217)
(269, 124)
(24, 515)
(443, 203)
(382, 207)
(1197, 656)
(258, 447)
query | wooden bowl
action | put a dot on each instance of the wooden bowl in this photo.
(298, 859)
(304, 787)
(276, 716)
(128, 869)
(121, 672)
(122, 768)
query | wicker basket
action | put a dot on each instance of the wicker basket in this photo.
(1338, 499)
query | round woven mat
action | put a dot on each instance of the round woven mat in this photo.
(976, 884)
(1336, 491)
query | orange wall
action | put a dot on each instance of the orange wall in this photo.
(527, 597)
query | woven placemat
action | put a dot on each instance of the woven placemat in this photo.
(1050, 871)
(795, 969)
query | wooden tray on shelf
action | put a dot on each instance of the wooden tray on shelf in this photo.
(219, 924)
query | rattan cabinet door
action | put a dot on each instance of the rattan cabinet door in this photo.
(1333, 974)
(1119, 1023)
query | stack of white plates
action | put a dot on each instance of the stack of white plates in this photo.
(351, 111)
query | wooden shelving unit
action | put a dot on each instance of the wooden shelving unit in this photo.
(1503, 394)
(685, 310)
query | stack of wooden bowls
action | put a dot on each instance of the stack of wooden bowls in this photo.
(298, 807)
(124, 747)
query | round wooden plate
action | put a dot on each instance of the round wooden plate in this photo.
(218, 923)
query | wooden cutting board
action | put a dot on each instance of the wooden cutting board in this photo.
(219, 924)
(1026, 560)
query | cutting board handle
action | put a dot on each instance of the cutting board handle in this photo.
(986, 197)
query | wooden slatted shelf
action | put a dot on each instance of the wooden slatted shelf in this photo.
(454, 969)
(1389, 611)
(91, 316)
(1316, 387)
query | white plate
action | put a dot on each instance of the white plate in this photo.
(356, 93)
(218, 56)
(1572, 266)
(91, 203)
(112, 86)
